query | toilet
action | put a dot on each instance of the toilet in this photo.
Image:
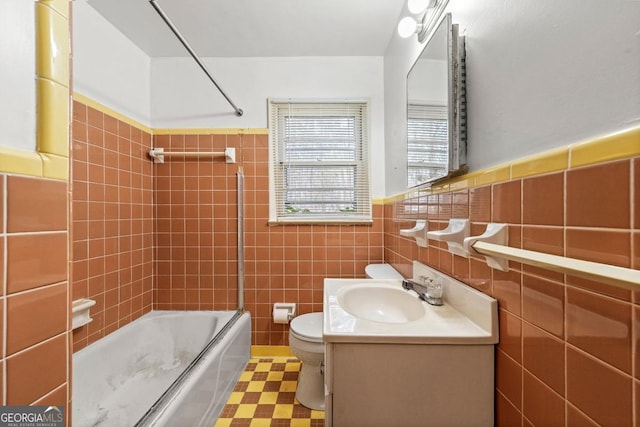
(305, 341)
(382, 271)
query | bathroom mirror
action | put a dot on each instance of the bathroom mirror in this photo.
(436, 108)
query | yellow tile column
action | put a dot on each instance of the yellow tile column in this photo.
(53, 87)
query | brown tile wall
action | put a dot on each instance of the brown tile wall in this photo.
(128, 212)
(196, 226)
(34, 293)
(112, 220)
(568, 351)
(196, 222)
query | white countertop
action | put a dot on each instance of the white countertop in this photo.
(444, 324)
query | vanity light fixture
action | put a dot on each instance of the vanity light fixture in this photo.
(428, 9)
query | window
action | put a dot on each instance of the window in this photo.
(319, 162)
(428, 143)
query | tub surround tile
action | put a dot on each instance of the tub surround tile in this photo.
(57, 397)
(36, 204)
(36, 260)
(36, 371)
(48, 304)
(113, 231)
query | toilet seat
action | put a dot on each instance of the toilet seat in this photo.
(307, 327)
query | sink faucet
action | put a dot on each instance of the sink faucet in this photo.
(429, 292)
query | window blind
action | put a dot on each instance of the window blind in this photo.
(427, 142)
(319, 162)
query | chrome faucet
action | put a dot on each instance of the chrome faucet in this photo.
(429, 292)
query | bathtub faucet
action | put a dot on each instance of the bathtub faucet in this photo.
(429, 292)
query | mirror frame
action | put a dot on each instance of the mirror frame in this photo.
(456, 101)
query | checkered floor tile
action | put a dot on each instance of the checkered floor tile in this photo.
(265, 396)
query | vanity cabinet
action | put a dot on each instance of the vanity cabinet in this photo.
(393, 360)
(369, 384)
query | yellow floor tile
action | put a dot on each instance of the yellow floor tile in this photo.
(288, 386)
(256, 386)
(268, 397)
(246, 411)
(235, 397)
(262, 397)
(260, 422)
(275, 376)
(283, 411)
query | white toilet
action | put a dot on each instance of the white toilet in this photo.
(305, 340)
(382, 271)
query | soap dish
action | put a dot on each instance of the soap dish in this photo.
(80, 312)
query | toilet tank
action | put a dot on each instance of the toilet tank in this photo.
(382, 271)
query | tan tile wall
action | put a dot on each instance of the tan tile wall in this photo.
(568, 346)
(196, 222)
(112, 220)
(196, 226)
(34, 297)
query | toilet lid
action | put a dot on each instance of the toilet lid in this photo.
(308, 326)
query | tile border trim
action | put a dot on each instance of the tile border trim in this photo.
(271, 351)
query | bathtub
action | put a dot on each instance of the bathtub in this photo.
(173, 368)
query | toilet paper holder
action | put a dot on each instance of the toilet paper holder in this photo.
(283, 312)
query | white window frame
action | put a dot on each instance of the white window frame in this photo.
(281, 212)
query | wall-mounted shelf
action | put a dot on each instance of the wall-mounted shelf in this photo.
(495, 233)
(80, 312)
(418, 232)
(454, 235)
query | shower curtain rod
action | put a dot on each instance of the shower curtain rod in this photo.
(175, 31)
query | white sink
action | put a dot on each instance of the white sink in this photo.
(380, 302)
(381, 311)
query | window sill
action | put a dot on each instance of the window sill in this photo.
(321, 221)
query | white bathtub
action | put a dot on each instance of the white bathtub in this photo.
(118, 380)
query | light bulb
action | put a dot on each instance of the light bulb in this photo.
(418, 6)
(407, 26)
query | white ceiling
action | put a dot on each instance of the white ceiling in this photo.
(257, 28)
